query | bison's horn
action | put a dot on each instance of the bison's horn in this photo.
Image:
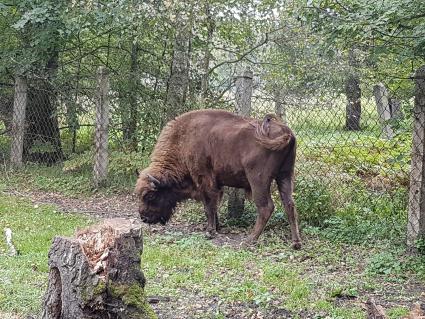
(153, 180)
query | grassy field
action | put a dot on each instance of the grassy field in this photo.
(218, 279)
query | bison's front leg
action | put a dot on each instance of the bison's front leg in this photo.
(210, 201)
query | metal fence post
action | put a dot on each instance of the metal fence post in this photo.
(100, 170)
(18, 121)
(416, 217)
(236, 202)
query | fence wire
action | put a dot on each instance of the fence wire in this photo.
(352, 146)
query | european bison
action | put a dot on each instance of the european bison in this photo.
(199, 152)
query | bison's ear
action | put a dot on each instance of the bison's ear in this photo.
(137, 172)
(155, 183)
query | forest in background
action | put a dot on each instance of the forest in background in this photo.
(167, 57)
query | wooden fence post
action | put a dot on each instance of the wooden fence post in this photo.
(100, 170)
(279, 104)
(384, 109)
(416, 217)
(236, 202)
(18, 121)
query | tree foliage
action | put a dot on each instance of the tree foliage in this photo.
(297, 47)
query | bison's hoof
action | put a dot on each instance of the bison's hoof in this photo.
(210, 234)
(296, 245)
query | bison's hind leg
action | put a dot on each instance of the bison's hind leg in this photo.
(286, 186)
(260, 189)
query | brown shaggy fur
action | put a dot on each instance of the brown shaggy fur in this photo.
(201, 151)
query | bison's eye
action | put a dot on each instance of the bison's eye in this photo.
(149, 197)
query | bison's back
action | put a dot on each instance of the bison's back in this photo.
(217, 147)
(216, 130)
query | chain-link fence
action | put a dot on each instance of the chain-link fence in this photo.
(358, 147)
(354, 144)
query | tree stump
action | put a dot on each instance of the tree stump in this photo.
(97, 274)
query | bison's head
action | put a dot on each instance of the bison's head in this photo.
(156, 200)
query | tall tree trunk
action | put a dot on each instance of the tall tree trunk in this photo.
(353, 93)
(178, 81)
(132, 116)
(207, 53)
(42, 141)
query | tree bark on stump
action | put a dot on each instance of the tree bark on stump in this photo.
(97, 274)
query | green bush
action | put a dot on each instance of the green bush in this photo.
(349, 211)
(366, 156)
(120, 163)
(83, 142)
(313, 201)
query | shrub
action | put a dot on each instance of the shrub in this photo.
(120, 163)
(314, 201)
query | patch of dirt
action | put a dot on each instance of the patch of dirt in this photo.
(98, 205)
(125, 206)
(202, 307)
(394, 294)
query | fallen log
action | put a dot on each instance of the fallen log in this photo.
(97, 274)
(417, 312)
(375, 311)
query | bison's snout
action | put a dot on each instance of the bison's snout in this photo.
(145, 218)
(152, 220)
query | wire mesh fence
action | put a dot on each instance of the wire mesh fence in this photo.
(354, 144)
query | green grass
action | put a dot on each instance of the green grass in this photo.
(176, 264)
(74, 176)
(23, 278)
(306, 281)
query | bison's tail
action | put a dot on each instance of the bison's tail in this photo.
(262, 134)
